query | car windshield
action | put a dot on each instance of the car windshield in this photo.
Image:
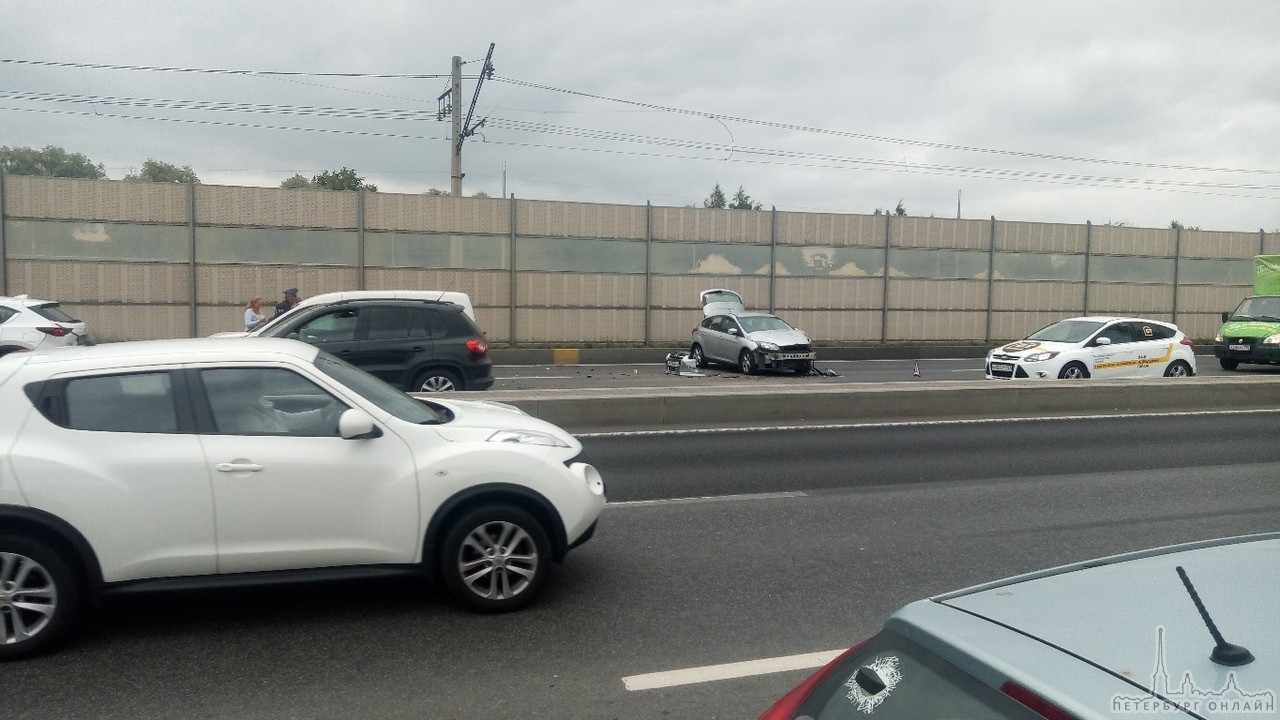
(761, 323)
(379, 393)
(1067, 331)
(1258, 308)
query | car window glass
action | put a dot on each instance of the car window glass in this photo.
(54, 313)
(761, 323)
(438, 325)
(140, 402)
(269, 401)
(1151, 331)
(336, 326)
(385, 323)
(919, 686)
(6, 313)
(378, 392)
(1117, 332)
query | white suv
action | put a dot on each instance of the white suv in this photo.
(222, 461)
(30, 324)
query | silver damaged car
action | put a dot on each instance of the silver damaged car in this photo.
(750, 341)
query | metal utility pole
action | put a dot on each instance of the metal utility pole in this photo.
(455, 144)
(463, 129)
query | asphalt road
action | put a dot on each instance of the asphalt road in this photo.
(857, 523)
(542, 377)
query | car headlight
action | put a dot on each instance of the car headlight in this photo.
(1271, 340)
(1040, 356)
(768, 346)
(527, 437)
(1217, 338)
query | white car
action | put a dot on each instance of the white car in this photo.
(30, 324)
(450, 296)
(201, 462)
(1099, 347)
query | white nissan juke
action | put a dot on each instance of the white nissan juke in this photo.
(209, 462)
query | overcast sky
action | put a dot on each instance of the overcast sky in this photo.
(1127, 112)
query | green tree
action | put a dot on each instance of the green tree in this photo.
(163, 172)
(717, 198)
(52, 161)
(344, 179)
(742, 201)
(900, 210)
(1175, 225)
(297, 182)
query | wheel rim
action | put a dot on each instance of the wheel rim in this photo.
(438, 383)
(1073, 373)
(746, 363)
(697, 355)
(1178, 370)
(28, 598)
(498, 560)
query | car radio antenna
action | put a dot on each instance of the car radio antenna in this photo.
(1224, 653)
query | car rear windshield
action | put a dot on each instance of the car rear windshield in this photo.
(1067, 331)
(51, 311)
(917, 685)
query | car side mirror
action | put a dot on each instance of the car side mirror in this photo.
(1225, 315)
(357, 425)
(733, 331)
(1102, 341)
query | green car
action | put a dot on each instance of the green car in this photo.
(1251, 332)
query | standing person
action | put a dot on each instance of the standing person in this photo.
(290, 299)
(253, 315)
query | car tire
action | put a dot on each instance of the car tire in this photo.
(40, 597)
(495, 559)
(1073, 371)
(747, 362)
(1228, 365)
(436, 380)
(1177, 369)
(699, 359)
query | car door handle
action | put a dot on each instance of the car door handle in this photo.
(234, 467)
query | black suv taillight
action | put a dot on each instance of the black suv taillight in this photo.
(479, 346)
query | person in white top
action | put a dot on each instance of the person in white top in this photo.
(253, 315)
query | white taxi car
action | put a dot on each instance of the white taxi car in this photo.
(207, 462)
(1099, 347)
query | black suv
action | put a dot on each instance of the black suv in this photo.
(416, 345)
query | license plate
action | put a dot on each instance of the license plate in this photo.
(1238, 348)
(797, 356)
(1001, 367)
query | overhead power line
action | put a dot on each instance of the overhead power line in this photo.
(218, 71)
(878, 138)
(723, 152)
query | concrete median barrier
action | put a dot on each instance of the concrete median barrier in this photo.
(596, 409)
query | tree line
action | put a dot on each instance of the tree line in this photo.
(53, 161)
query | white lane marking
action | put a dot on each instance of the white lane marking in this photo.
(706, 499)
(917, 423)
(534, 377)
(729, 671)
